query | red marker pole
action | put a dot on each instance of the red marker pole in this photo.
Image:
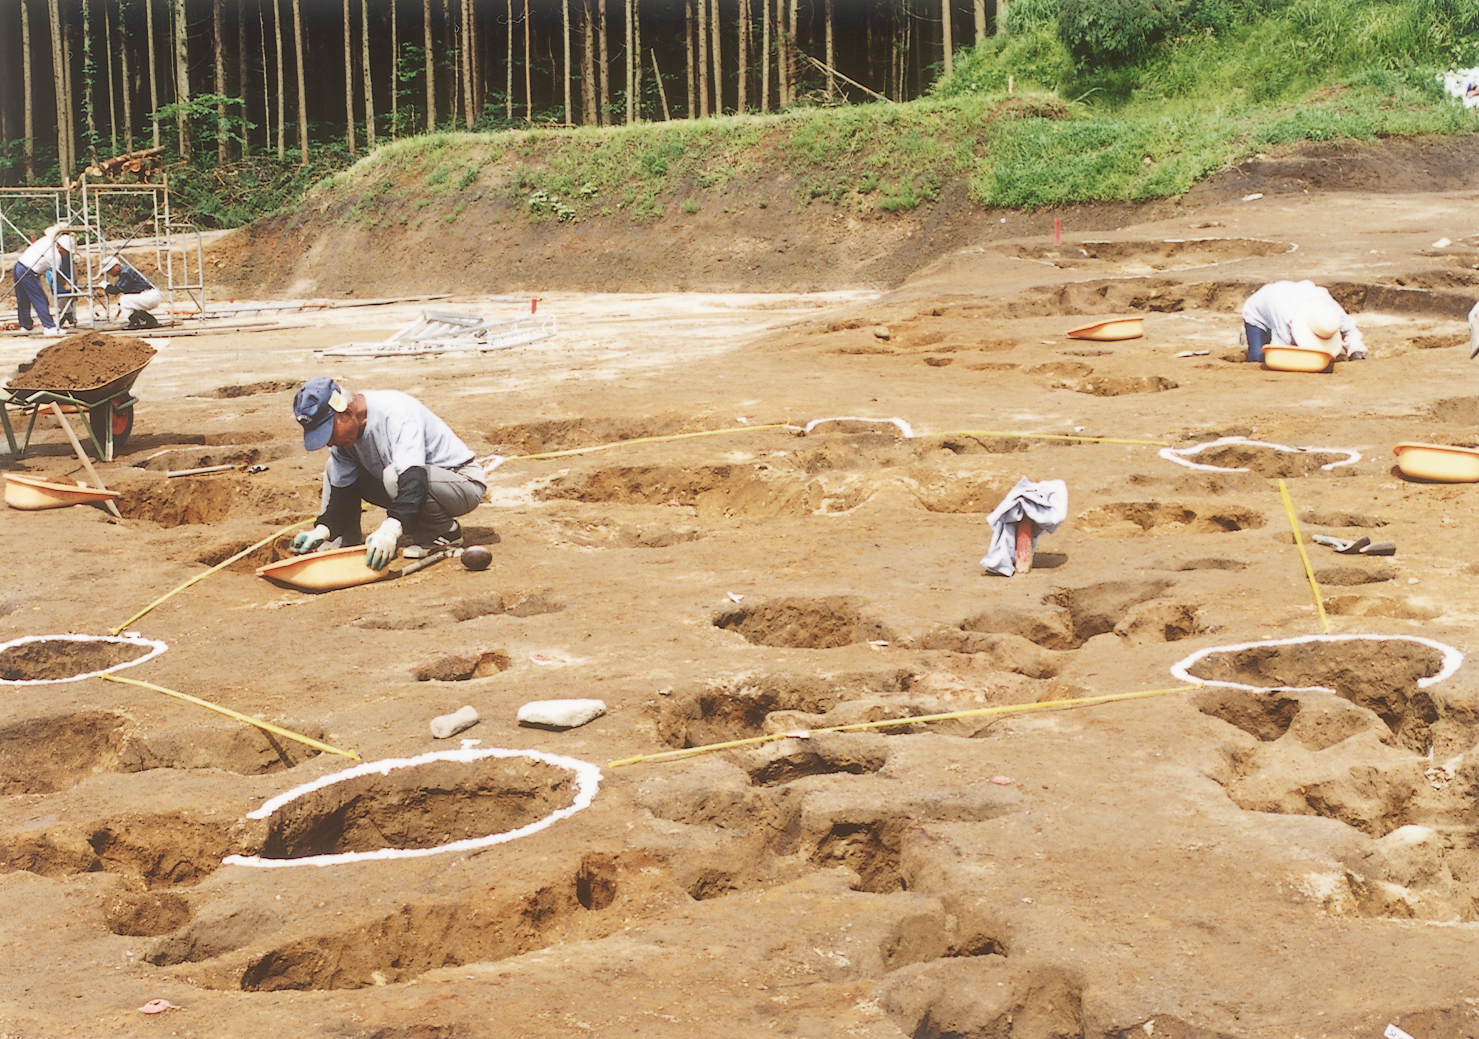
(1057, 229)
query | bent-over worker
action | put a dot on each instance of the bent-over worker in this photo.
(30, 267)
(136, 294)
(1303, 314)
(387, 448)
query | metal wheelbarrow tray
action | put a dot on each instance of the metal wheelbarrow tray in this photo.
(109, 407)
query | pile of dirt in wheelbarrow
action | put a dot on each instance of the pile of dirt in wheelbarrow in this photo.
(82, 361)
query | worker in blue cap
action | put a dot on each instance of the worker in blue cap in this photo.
(387, 448)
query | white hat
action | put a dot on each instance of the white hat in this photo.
(66, 241)
(1317, 326)
(112, 262)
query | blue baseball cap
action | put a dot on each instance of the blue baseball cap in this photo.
(314, 408)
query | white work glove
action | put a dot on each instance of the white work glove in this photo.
(309, 540)
(380, 546)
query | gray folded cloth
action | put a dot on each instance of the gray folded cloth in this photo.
(1045, 504)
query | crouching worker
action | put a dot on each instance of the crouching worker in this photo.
(386, 448)
(1303, 314)
(136, 294)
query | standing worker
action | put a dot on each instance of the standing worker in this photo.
(1303, 314)
(387, 448)
(136, 294)
(30, 288)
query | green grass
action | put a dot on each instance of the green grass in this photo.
(1019, 122)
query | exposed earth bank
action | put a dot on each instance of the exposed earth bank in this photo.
(754, 236)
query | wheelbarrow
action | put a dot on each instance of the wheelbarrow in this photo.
(109, 408)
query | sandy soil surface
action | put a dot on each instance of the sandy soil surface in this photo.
(1284, 847)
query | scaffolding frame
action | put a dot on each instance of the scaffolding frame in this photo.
(90, 212)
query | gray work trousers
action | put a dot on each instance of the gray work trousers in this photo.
(449, 493)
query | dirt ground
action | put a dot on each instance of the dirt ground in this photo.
(1283, 846)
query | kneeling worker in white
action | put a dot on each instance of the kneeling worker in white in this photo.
(1302, 314)
(387, 448)
(136, 294)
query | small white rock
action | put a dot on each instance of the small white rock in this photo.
(449, 725)
(560, 714)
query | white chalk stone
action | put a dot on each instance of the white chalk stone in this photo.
(560, 714)
(451, 724)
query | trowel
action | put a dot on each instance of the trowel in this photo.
(1361, 546)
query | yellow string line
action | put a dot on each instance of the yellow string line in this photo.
(1309, 571)
(202, 577)
(978, 712)
(787, 425)
(644, 440)
(1054, 436)
(228, 712)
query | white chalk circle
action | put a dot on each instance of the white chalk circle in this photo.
(14, 656)
(587, 782)
(1182, 455)
(1452, 658)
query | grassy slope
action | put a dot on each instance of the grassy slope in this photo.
(1017, 122)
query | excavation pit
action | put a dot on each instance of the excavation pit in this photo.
(1240, 455)
(713, 491)
(738, 708)
(1157, 519)
(826, 623)
(1387, 674)
(458, 800)
(43, 659)
(1136, 610)
(1144, 256)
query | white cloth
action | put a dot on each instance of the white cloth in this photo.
(1046, 504)
(1275, 307)
(400, 433)
(41, 255)
(132, 301)
(1462, 84)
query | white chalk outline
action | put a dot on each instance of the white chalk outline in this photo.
(904, 427)
(1174, 454)
(1452, 658)
(128, 640)
(587, 782)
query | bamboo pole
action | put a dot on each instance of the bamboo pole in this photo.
(661, 93)
(201, 577)
(77, 446)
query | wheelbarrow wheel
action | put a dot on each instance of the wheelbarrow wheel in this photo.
(123, 424)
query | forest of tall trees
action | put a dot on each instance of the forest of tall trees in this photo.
(215, 80)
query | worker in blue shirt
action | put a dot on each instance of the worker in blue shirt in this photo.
(136, 294)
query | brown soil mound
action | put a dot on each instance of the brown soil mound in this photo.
(82, 361)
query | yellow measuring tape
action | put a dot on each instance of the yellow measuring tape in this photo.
(201, 577)
(1083, 701)
(1304, 556)
(228, 712)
